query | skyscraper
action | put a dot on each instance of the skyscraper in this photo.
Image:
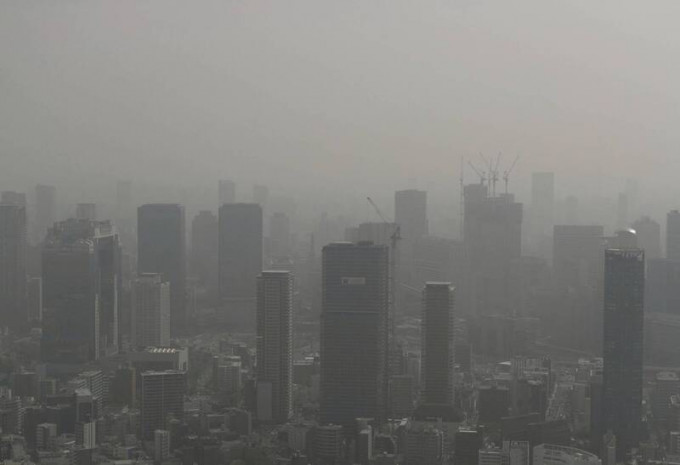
(161, 248)
(437, 344)
(577, 251)
(150, 311)
(13, 256)
(354, 332)
(240, 259)
(204, 250)
(162, 400)
(493, 245)
(410, 213)
(45, 209)
(226, 192)
(70, 294)
(109, 263)
(542, 213)
(673, 235)
(275, 342)
(649, 237)
(623, 333)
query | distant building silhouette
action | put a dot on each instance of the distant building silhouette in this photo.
(86, 211)
(162, 400)
(13, 261)
(354, 332)
(150, 311)
(161, 248)
(410, 213)
(204, 250)
(649, 237)
(226, 192)
(45, 210)
(673, 235)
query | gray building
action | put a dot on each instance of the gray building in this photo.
(161, 248)
(13, 256)
(45, 210)
(150, 311)
(354, 332)
(437, 344)
(410, 213)
(275, 342)
(240, 260)
(162, 400)
(673, 235)
(203, 261)
(623, 337)
(649, 237)
(226, 192)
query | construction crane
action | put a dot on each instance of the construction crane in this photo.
(506, 174)
(395, 237)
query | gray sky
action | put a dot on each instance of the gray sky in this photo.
(316, 93)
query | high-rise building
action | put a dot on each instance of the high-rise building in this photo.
(623, 336)
(161, 443)
(45, 209)
(110, 264)
(226, 192)
(542, 213)
(423, 445)
(493, 245)
(13, 198)
(86, 211)
(354, 332)
(662, 286)
(673, 235)
(13, 256)
(150, 311)
(161, 248)
(240, 260)
(162, 400)
(204, 250)
(577, 251)
(71, 292)
(34, 299)
(649, 237)
(410, 213)
(437, 344)
(275, 341)
(279, 235)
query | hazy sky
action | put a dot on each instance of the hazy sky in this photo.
(335, 93)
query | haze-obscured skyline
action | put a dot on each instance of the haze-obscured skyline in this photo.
(313, 94)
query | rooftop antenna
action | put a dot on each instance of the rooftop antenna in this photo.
(506, 174)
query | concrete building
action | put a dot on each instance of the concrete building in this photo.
(542, 211)
(150, 311)
(549, 454)
(423, 445)
(662, 286)
(160, 359)
(13, 198)
(649, 237)
(437, 344)
(161, 248)
(328, 444)
(673, 235)
(45, 210)
(401, 396)
(275, 341)
(667, 385)
(204, 249)
(623, 339)
(226, 192)
(493, 245)
(161, 445)
(13, 261)
(410, 213)
(576, 255)
(240, 260)
(162, 398)
(354, 332)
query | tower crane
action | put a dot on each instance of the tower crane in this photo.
(506, 174)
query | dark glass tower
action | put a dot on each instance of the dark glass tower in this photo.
(623, 332)
(161, 248)
(437, 327)
(13, 257)
(354, 332)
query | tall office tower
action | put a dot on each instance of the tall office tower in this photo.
(162, 400)
(240, 260)
(622, 349)
(161, 248)
(542, 213)
(649, 236)
(13, 198)
(493, 245)
(71, 291)
(109, 262)
(45, 210)
(86, 211)
(410, 213)
(34, 300)
(275, 345)
(13, 256)
(355, 288)
(204, 250)
(577, 251)
(226, 192)
(437, 344)
(150, 311)
(673, 235)
(279, 235)
(161, 445)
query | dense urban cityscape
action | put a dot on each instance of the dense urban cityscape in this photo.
(339, 233)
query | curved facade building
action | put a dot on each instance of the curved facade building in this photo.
(550, 454)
